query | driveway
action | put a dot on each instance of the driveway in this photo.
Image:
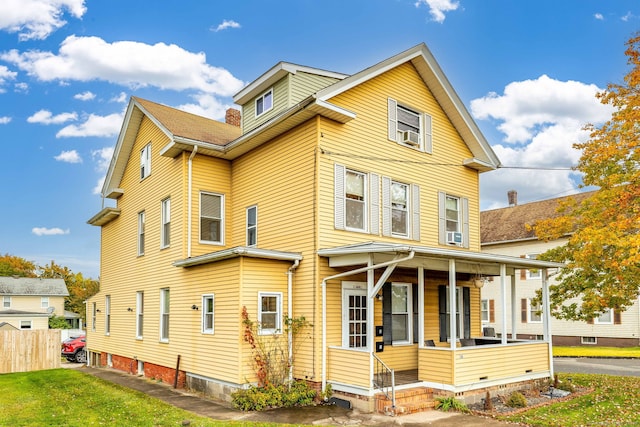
(588, 365)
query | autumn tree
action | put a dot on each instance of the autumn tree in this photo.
(602, 255)
(11, 265)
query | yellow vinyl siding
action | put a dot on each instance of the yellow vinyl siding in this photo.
(351, 367)
(436, 365)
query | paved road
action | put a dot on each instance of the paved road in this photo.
(583, 365)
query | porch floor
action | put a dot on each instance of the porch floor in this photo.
(406, 377)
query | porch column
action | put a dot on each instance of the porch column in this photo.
(371, 281)
(546, 317)
(452, 304)
(420, 307)
(514, 307)
(503, 297)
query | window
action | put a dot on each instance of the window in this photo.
(25, 324)
(357, 200)
(139, 314)
(462, 312)
(401, 312)
(269, 312)
(453, 216)
(141, 233)
(94, 311)
(164, 315)
(354, 315)
(484, 310)
(211, 218)
(399, 209)
(409, 127)
(6, 302)
(531, 312)
(145, 161)
(588, 340)
(533, 273)
(606, 318)
(107, 314)
(44, 302)
(264, 102)
(207, 314)
(165, 232)
(252, 226)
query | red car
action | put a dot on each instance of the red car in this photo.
(73, 349)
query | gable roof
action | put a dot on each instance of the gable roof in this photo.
(21, 286)
(510, 224)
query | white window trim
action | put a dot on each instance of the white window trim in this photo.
(24, 323)
(459, 312)
(425, 133)
(163, 296)
(409, 312)
(139, 315)
(204, 329)
(145, 161)
(252, 227)
(141, 232)
(365, 202)
(165, 218)
(484, 301)
(537, 273)
(261, 97)
(44, 302)
(530, 309)
(597, 321)
(6, 302)
(586, 342)
(94, 314)
(222, 219)
(278, 329)
(107, 315)
(356, 289)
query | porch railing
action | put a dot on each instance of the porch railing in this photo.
(384, 379)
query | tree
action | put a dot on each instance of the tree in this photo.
(15, 266)
(602, 255)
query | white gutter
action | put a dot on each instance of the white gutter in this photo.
(190, 179)
(324, 305)
(295, 265)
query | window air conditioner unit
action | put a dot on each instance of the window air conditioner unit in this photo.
(410, 137)
(454, 237)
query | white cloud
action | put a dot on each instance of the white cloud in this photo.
(599, 16)
(127, 63)
(626, 17)
(43, 231)
(120, 98)
(102, 158)
(37, 19)
(225, 24)
(69, 157)
(5, 76)
(4, 120)
(94, 125)
(21, 87)
(85, 96)
(207, 106)
(437, 8)
(46, 118)
(541, 120)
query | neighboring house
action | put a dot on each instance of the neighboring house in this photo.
(27, 303)
(504, 231)
(349, 200)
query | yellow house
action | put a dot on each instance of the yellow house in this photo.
(28, 303)
(351, 200)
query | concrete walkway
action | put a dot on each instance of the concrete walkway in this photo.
(319, 415)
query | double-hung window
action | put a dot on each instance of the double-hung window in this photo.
(453, 215)
(270, 312)
(606, 318)
(6, 302)
(355, 200)
(207, 314)
(211, 218)
(139, 315)
(165, 232)
(164, 315)
(401, 312)
(534, 312)
(145, 161)
(252, 226)
(44, 302)
(409, 127)
(264, 102)
(399, 209)
(94, 311)
(533, 273)
(107, 314)
(141, 219)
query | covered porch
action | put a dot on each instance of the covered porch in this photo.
(435, 312)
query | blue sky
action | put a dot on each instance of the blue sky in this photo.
(526, 70)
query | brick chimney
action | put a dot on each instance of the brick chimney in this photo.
(512, 196)
(232, 117)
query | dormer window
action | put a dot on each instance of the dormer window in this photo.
(264, 103)
(409, 127)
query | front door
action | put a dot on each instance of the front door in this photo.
(354, 315)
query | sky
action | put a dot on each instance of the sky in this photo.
(527, 71)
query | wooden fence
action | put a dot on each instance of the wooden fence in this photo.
(23, 351)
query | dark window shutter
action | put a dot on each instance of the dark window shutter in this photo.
(523, 312)
(523, 271)
(466, 303)
(492, 311)
(387, 318)
(414, 295)
(442, 308)
(617, 317)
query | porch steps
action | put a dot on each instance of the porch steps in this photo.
(408, 401)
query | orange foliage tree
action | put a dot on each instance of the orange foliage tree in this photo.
(602, 255)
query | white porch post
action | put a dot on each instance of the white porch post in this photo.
(420, 307)
(503, 297)
(370, 318)
(452, 304)
(546, 317)
(514, 308)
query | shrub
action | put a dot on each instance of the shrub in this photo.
(516, 400)
(450, 403)
(297, 393)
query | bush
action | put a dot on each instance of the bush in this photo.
(270, 396)
(450, 403)
(516, 400)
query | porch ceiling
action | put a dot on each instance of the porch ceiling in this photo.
(430, 258)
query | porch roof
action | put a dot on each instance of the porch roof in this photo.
(431, 257)
(239, 251)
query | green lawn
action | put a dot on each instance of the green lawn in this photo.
(588, 351)
(66, 397)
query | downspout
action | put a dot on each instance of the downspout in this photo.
(546, 312)
(295, 265)
(190, 179)
(324, 305)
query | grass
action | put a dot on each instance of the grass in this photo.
(66, 397)
(586, 351)
(615, 401)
